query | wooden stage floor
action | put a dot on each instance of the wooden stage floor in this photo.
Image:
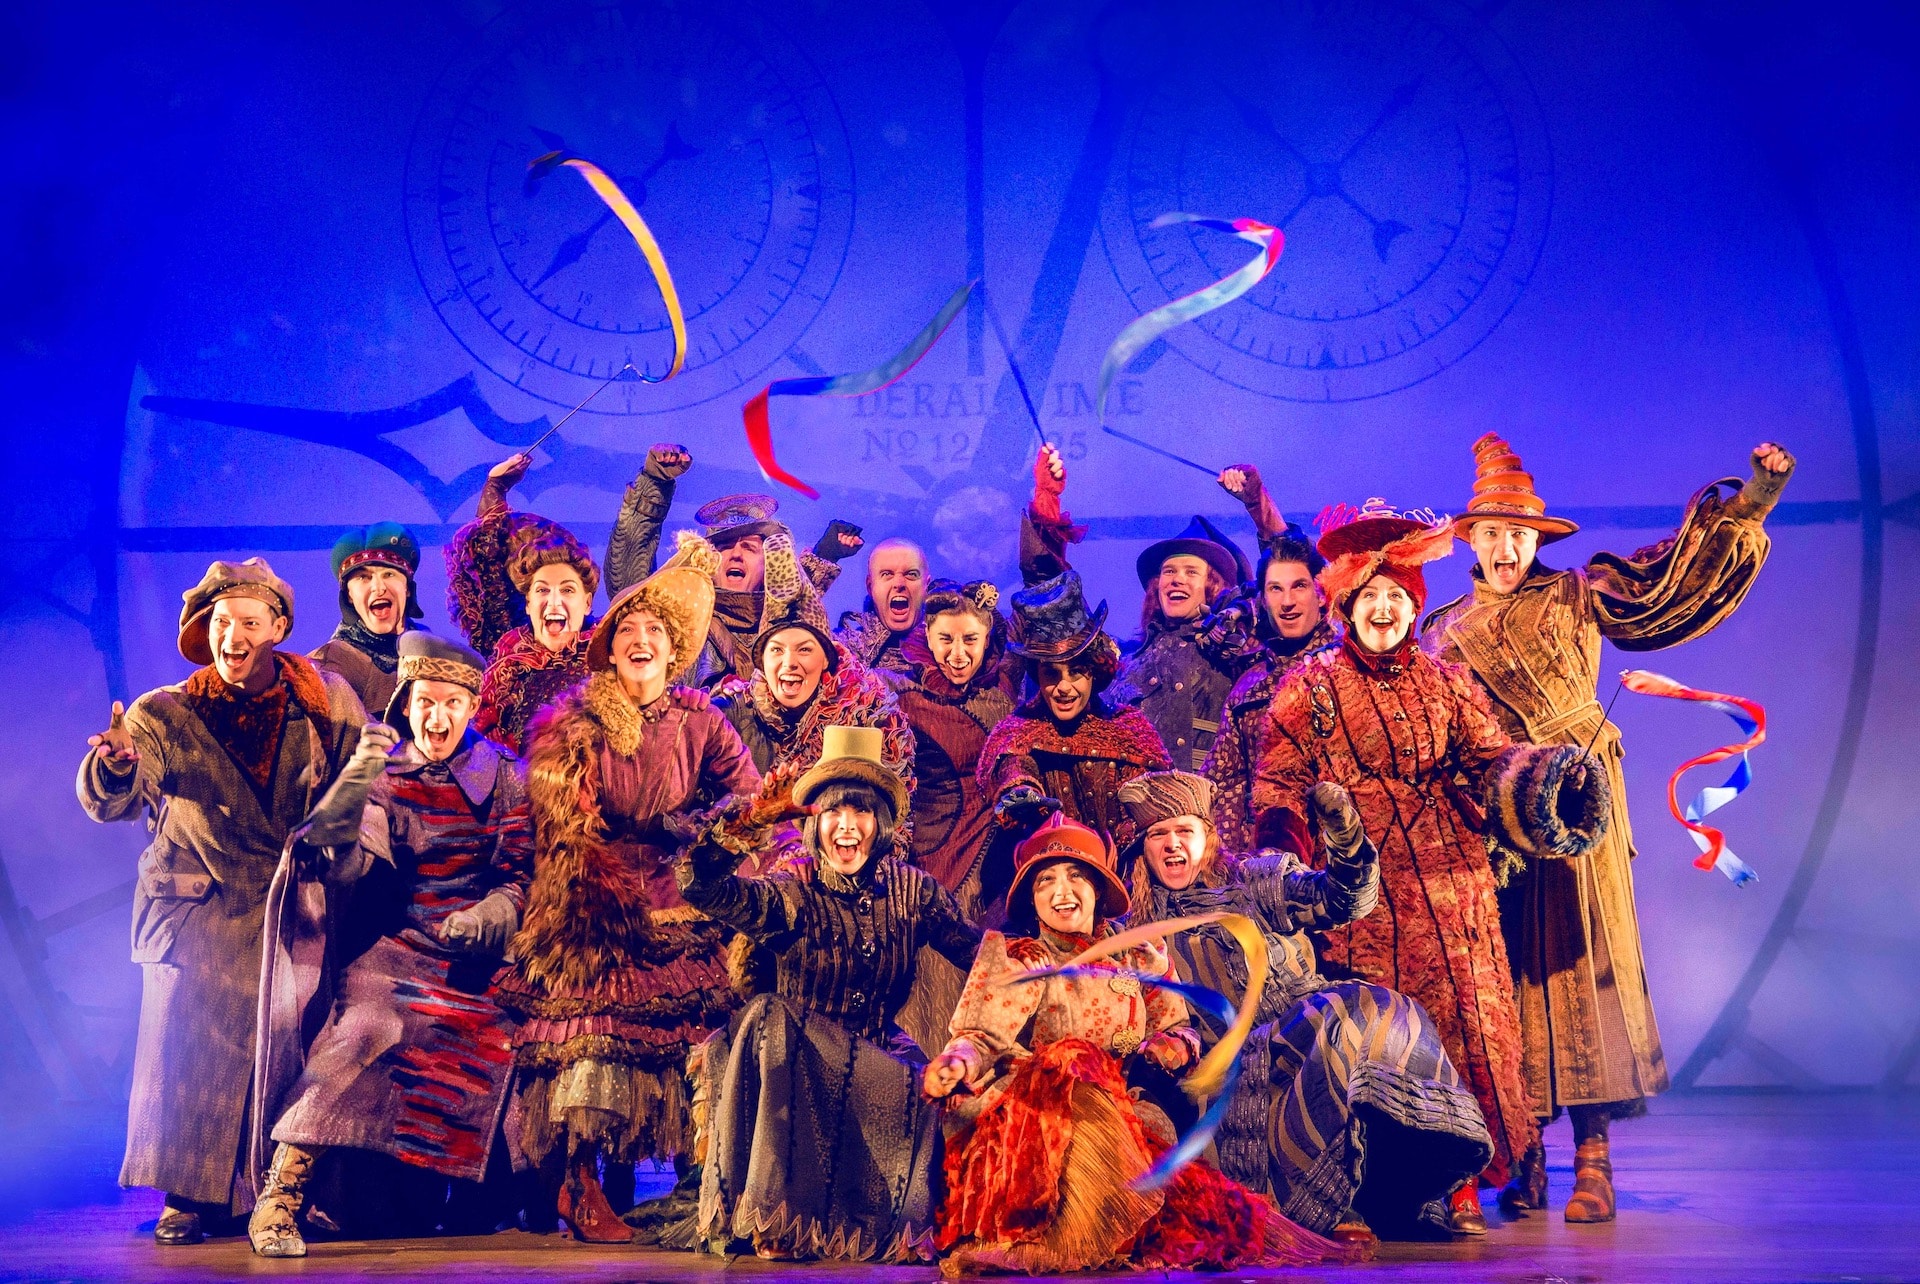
(1713, 1187)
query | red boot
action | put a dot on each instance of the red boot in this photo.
(584, 1207)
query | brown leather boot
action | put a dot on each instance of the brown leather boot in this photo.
(1528, 1187)
(583, 1206)
(1464, 1214)
(1593, 1199)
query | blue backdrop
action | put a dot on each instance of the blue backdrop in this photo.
(274, 270)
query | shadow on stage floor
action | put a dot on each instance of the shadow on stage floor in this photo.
(1743, 1187)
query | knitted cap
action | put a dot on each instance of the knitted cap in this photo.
(1163, 795)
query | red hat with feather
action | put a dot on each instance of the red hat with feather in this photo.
(1375, 539)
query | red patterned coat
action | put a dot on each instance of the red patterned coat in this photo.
(1082, 768)
(1396, 730)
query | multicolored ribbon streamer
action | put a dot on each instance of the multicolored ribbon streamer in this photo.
(1751, 718)
(754, 413)
(1146, 329)
(1219, 1071)
(616, 200)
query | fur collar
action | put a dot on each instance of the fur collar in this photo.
(1126, 736)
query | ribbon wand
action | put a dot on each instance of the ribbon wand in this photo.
(1147, 445)
(577, 409)
(1604, 715)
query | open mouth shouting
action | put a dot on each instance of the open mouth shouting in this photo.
(382, 611)
(555, 624)
(898, 609)
(789, 684)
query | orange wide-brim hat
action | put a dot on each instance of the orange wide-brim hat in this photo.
(1062, 837)
(1503, 491)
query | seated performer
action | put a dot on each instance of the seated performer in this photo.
(414, 1061)
(896, 590)
(819, 1144)
(737, 526)
(503, 567)
(378, 602)
(1292, 625)
(801, 681)
(1045, 1141)
(1064, 748)
(1429, 769)
(615, 977)
(223, 767)
(1348, 1111)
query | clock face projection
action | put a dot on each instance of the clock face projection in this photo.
(1401, 150)
(719, 131)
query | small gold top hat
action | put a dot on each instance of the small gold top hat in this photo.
(853, 754)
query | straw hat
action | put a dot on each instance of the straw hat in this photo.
(679, 593)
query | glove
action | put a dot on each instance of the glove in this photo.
(1049, 484)
(1229, 625)
(482, 928)
(1242, 481)
(840, 541)
(667, 461)
(1772, 466)
(501, 478)
(1339, 823)
(335, 821)
(1024, 807)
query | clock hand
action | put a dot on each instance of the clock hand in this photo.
(1396, 103)
(1261, 123)
(574, 248)
(1384, 230)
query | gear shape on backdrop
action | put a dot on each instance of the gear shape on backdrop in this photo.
(714, 124)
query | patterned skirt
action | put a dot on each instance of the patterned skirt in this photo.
(1362, 1110)
(819, 1141)
(1040, 1184)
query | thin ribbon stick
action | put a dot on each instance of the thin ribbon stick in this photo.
(616, 200)
(754, 413)
(1146, 329)
(1219, 1071)
(1751, 718)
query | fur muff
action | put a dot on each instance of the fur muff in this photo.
(587, 911)
(1534, 809)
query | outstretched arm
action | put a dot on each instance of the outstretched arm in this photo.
(1242, 481)
(480, 597)
(635, 542)
(1045, 528)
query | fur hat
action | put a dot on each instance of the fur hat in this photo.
(852, 754)
(381, 544)
(534, 542)
(1201, 539)
(1063, 836)
(1163, 795)
(1503, 491)
(1360, 543)
(791, 601)
(252, 578)
(679, 593)
(731, 518)
(428, 657)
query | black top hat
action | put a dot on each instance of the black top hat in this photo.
(1053, 621)
(1201, 539)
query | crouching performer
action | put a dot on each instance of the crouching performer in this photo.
(1348, 1111)
(1045, 1140)
(415, 1058)
(223, 766)
(820, 1145)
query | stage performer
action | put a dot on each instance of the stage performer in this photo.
(1531, 635)
(1292, 625)
(820, 1144)
(415, 1059)
(1348, 1112)
(1065, 747)
(376, 566)
(223, 767)
(1042, 1146)
(1413, 740)
(802, 681)
(896, 593)
(505, 566)
(615, 976)
(737, 526)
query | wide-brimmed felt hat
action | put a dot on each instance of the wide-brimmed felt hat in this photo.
(1051, 620)
(1201, 539)
(731, 518)
(1063, 837)
(252, 578)
(853, 754)
(1503, 491)
(428, 657)
(680, 593)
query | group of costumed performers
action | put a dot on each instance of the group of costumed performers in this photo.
(917, 938)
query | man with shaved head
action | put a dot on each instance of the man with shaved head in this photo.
(896, 587)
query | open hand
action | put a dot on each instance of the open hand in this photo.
(667, 461)
(115, 744)
(944, 1073)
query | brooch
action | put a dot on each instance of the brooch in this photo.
(1126, 1042)
(1125, 985)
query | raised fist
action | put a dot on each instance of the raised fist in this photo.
(1242, 481)
(667, 461)
(1771, 460)
(509, 471)
(1049, 482)
(839, 541)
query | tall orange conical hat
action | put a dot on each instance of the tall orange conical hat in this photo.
(1502, 489)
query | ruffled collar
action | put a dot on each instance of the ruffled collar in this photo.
(1382, 664)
